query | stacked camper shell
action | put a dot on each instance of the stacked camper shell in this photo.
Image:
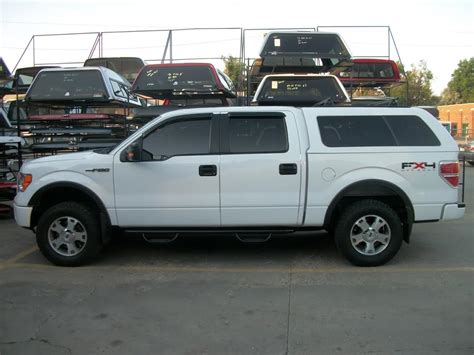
(372, 75)
(9, 145)
(175, 86)
(299, 53)
(78, 109)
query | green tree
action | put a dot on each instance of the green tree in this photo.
(235, 69)
(419, 79)
(461, 86)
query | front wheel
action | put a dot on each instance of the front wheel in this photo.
(368, 233)
(68, 234)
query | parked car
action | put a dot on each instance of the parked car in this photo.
(300, 90)
(364, 174)
(127, 67)
(467, 152)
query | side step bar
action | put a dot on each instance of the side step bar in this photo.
(253, 237)
(160, 236)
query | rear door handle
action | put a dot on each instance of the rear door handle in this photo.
(207, 170)
(288, 169)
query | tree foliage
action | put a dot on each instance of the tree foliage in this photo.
(235, 69)
(419, 79)
(461, 86)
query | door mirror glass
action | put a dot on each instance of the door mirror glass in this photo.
(133, 152)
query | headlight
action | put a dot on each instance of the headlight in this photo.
(23, 181)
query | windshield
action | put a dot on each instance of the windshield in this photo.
(310, 90)
(317, 45)
(68, 85)
(175, 78)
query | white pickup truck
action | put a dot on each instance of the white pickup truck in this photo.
(364, 174)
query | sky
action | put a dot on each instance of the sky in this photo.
(440, 32)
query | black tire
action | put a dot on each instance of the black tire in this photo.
(348, 226)
(88, 223)
(470, 162)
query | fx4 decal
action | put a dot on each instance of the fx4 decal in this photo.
(418, 166)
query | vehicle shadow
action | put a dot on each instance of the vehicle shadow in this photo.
(221, 250)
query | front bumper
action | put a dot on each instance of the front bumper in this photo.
(453, 211)
(22, 215)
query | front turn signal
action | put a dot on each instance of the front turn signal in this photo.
(24, 180)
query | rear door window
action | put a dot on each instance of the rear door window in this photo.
(257, 135)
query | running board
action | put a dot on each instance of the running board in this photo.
(210, 230)
(253, 237)
(159, 238)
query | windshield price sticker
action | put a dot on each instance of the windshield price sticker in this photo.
(295, 86)
(274, 85)
(173, 76)
(151, 72)
(277, 42)
(303, 39)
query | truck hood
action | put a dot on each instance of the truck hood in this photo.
(64, 157)
(82, 163)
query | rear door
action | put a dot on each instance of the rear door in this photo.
(260, 171)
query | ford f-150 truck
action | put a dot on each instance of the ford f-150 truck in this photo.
(363, 174)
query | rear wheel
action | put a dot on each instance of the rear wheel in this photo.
(68, 234)
(368, 233)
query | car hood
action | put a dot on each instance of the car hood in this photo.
(64, 157)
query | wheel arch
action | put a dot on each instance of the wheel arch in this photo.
(381, 190)
(57, 192)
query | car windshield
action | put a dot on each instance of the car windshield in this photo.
(307, 90)
(316, 45)
(68, 85)
(176, 78)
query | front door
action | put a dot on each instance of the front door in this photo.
(177, 182)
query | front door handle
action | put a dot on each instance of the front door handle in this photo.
(207, 170)
(288, 169)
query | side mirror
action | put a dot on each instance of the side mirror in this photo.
(133, 152)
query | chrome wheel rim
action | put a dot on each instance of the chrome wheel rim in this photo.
(67, 236)
(370, 235)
